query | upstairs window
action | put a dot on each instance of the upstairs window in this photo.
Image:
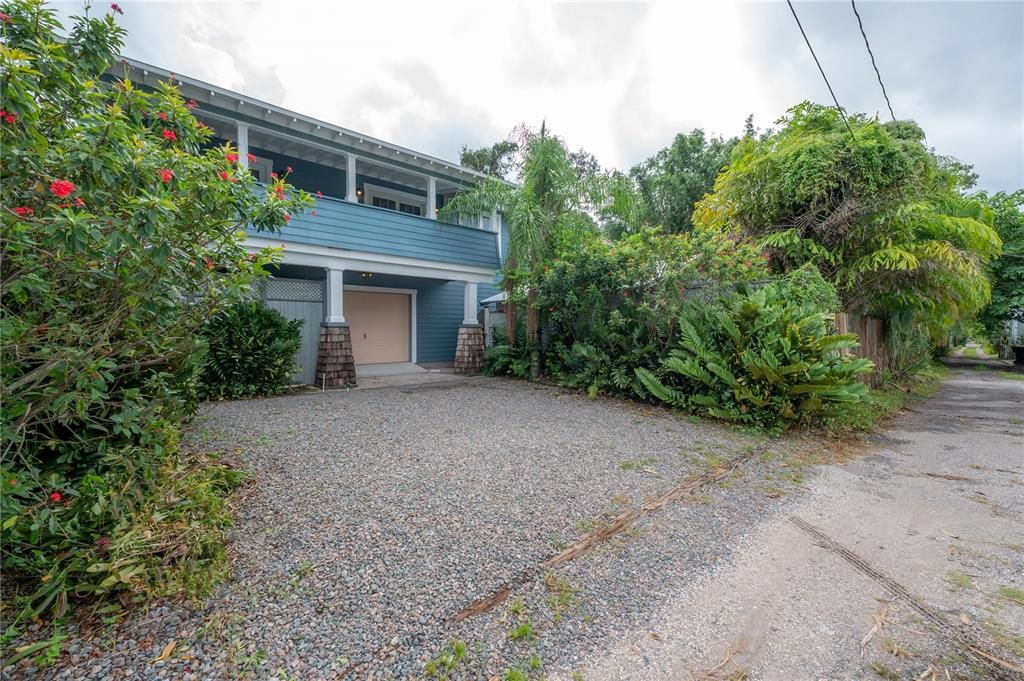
(381, 202)
(410, 209)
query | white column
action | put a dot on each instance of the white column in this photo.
(494, 221)
(350, 178)
(335, 296)
(469, 303)
(243, 145)
(431, 198)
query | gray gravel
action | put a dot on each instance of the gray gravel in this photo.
(376, 515)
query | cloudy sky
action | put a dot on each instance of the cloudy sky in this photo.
(616, 79)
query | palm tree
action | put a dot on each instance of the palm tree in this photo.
(551, 201)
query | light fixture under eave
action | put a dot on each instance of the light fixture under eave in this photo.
(366, 275)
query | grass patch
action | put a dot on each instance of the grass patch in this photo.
(521, 632)
(883, 403)
(1011, 594)
(630, 465)
(562, 594)
(1011, 375)
(971, 353)
(447, 661)
(959, 579)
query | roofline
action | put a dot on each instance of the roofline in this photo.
(295, 116)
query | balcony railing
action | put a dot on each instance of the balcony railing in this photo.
(357, 227)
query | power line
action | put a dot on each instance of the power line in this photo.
(831, 91)
(872, 55)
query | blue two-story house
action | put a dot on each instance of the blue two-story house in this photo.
(372, 272)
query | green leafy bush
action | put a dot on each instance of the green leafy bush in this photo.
(251, 352)
(121, 236)
(610, 307)
(764, 357)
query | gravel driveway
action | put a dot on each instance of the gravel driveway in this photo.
(375, 516)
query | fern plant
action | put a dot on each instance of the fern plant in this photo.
(766, 357)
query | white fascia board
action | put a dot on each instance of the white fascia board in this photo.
(378, 263)
(291, 117)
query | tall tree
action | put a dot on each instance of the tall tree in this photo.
(875, 210)
(672, 181)
(552, 203)
(497, 160)
(1007, 270)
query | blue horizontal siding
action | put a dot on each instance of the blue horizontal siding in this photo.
(345, 225)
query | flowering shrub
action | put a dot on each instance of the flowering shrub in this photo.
(121, 236)
(251, 352)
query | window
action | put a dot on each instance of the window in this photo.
(410, 209)
(380, 202)
(394, 199)
(261, 169)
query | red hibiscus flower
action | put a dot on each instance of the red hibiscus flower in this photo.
(209, 263)
(170, 135)
(166, 175)
(116, 7)
(202, 125)
(231, 156)
(319, 194)
(162, 116)
(61, 188)
(287, 217)
(288, 170)
(251, 158)
(12, 482)
(8, 117)
(24, 211)
(55, 497)
(191, 104)
(224, 175)
(79, 202)
(279, 190)
(6, 18)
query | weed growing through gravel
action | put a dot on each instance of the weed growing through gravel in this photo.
(563, 594)
(959, 579)
(629, 465)
(1011, 594)
(522, 631)
(447, 661)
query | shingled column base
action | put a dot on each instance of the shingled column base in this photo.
(335, 367)
(469, 351)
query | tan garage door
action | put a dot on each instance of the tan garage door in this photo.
(380, 326)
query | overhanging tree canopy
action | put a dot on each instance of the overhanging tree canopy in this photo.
(876, 211)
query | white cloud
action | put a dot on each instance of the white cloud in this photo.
(617, 79)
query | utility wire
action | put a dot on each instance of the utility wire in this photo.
(831, 91)
(872, 55)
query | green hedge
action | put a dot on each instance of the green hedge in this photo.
(251, 352)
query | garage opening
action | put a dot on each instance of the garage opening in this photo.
(381, 325)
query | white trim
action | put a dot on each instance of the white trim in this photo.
(291, 119)
(431, 198)
(335, 296)
(470, 306)
(411, 292)
(350, 178)
(242, 133)
(324, 256)
(371, 189)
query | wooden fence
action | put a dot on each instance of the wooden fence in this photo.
(871, 332)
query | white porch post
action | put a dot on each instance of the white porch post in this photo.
(431, 198)
(350, 179)
(243, 145)
(335, 296)
(469, 304)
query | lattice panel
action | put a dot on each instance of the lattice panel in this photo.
(294, 289)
